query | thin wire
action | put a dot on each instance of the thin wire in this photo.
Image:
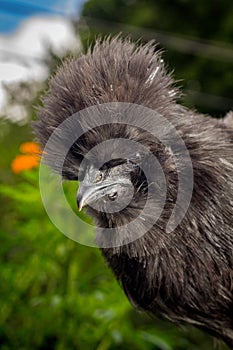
(214, 51)
(186, 44)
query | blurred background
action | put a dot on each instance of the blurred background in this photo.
(54, 293)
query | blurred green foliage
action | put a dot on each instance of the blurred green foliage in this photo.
(54, 293)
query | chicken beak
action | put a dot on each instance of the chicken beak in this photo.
(89, 194)
(85, 196)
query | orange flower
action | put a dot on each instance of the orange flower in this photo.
(24, 162)
(29, 160)
(30, 147)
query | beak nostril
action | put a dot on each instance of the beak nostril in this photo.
(113, 196)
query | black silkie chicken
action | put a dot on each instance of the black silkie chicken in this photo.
(187, 274)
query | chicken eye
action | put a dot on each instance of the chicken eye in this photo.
(99, 177)
(113, 196)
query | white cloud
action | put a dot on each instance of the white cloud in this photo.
(21, 54)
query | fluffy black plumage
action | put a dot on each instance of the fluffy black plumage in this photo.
(186, 275)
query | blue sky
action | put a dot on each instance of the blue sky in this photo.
(27, 27)
(13, 12)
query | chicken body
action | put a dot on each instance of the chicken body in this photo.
(187, 274)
